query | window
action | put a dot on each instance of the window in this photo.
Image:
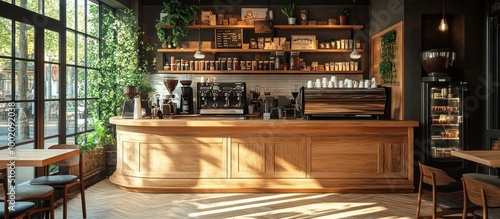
(47, 109)
(81, 57)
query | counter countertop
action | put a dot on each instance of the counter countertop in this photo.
(194, 121)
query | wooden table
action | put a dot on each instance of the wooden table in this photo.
(36, 157)
(486, 157)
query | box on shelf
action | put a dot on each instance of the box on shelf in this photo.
(303, 42)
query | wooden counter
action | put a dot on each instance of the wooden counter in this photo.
(224, 155)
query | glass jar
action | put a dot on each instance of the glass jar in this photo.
(236, 64)
(243, 65)
(223, 64)
(294, 60)
(217, 65)
(279, 61)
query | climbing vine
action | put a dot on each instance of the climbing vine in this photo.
(387, 54)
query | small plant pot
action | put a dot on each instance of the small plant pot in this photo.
(291, 21)
(343, 20)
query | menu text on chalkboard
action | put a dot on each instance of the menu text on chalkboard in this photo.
(229, 38)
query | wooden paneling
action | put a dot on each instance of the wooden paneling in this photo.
(224, 155)
(397, 88)
(268, 158)
(366, 158)
(174, 157)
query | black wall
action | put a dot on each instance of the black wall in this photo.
(467, 36)
(384, 14)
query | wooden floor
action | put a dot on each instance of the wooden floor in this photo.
(104, 200)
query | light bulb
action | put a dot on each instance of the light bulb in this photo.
(199, 55)
(443, 25)
(355, 54)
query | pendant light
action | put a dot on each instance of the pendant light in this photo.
(443, 25)
(199, 54)
(354, 54)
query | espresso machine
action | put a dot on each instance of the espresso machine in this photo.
(219, 98)
(186, 97)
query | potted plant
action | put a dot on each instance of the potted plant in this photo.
(145, 88)
(162, 34)
(344, 12)
(288, 12)
(179, 16)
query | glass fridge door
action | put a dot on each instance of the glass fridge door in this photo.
(446, 128)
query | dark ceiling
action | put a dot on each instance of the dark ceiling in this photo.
(264, 2)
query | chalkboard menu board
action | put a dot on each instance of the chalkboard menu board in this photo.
(228, 38)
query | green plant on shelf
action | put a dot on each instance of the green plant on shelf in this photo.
(288, 11)
(179, 16)
(386, 66)
(345, 11)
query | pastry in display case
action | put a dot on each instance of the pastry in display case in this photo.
(444, 124)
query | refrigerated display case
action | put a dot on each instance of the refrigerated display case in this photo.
(443, 119)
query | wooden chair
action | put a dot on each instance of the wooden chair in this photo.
(446, 191)
(482, 190)
(65, 182)
(22, 209)
(39, 194)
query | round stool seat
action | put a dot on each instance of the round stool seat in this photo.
(27, 192)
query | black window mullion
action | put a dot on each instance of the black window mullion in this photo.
(13, 62)
(62, 73)
(38, 78)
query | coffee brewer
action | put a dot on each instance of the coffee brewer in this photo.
(221, 98)
(186, 97)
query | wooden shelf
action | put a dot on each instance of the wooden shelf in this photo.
(191, 27)
(282, 27)
(260, 72)
(256, 50)
(318, 27)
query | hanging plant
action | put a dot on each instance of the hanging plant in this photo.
(387, 54)
(179, 15)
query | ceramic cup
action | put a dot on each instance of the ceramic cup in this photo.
(309, 84)
(367, 83)
(330, 84)
(349, 84)
(374, 83)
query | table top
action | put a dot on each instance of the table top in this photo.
(35, 157)
(486, 157)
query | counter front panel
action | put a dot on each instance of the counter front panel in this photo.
(264, 156)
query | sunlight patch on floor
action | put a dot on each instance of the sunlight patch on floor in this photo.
(287, 201)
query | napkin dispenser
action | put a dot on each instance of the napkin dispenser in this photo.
(372, 103)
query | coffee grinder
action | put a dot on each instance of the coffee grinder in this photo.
(186, 97)
(128, 104)
(145, 103)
